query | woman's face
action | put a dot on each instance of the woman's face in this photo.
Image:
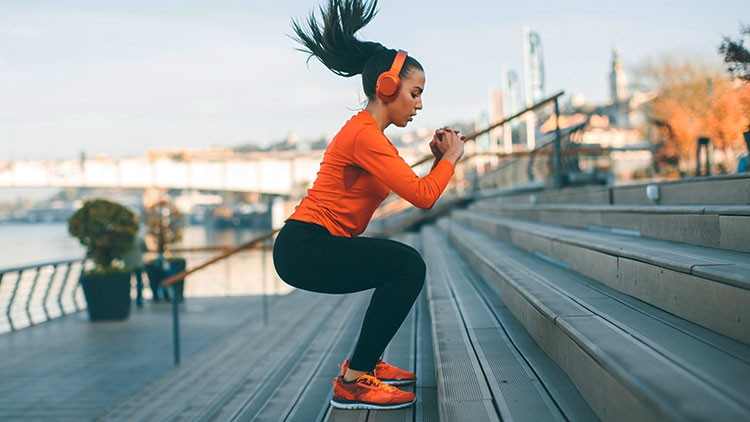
(403, 109)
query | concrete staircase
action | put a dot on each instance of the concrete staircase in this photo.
(581, 304)
(645, 306)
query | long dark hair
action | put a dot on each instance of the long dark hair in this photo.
(333, 42)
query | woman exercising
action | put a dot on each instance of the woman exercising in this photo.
(319, 248)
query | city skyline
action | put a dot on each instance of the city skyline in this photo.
(103, 77)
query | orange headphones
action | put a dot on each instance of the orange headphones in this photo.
(388, 82)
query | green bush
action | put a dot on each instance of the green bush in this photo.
(106, 229)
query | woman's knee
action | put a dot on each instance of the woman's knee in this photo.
(417, 270)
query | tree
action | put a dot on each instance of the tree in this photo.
(728, 115)
(164, 223)
(682, 88)
(736, 56)
(696, 100)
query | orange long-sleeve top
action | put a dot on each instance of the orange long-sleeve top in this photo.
(360, 168)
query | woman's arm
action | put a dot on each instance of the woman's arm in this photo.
(375, 154)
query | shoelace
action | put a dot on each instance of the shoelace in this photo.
(372, 381)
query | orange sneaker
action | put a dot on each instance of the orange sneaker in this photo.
(387, 373)
(367, 392)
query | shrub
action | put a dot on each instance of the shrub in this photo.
(106, 229)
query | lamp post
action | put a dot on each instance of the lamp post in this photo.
(702, 144)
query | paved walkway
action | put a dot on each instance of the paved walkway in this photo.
(73, 369)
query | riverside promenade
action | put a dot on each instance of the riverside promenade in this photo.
(578, 304)
(72, 369)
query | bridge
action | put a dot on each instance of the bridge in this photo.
(276, 173)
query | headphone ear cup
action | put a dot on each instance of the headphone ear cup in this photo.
(387, 87)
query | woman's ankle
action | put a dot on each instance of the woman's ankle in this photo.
(352, 375)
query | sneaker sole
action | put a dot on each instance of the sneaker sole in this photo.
(398, 382)
(372, 406)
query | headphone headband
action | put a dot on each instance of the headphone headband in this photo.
(398, 62)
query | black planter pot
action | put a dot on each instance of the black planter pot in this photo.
(156, 275)
(107, 296)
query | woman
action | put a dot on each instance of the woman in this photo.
(319, 248)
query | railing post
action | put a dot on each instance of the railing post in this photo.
(12, 299)
(2, 274)
(529, 169)
(65, 283)
(31, 295)
(78, 287)
(558, 148)
(175, 324)
(47, 290)
(263, 280)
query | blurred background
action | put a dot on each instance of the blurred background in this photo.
(135, 100)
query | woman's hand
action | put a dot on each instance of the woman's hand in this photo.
(436, 151)
(448, 143)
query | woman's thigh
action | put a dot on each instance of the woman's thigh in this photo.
(334, 264)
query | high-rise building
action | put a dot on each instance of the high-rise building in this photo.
(497, 113)
(618, 82)
(511, 91)
(533, 67)
(483, 142)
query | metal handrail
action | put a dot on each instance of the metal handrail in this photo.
(35, 266)
(558, 153)
(505, 120)
(249, 244)
(24, 301)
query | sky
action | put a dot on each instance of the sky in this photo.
(121, 77)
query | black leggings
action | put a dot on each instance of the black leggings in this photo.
(306, 256)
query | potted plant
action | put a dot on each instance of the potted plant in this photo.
(164, 224)
(107, 230)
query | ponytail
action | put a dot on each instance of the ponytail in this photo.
(333, 42)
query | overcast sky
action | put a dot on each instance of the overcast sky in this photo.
(120, 77)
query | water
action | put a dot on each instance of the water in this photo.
(26, 244)
(248, 272)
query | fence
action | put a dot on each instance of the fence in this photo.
(38, 293)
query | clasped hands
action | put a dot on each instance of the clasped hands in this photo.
(447, 143)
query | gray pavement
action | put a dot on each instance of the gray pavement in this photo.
(73, 369)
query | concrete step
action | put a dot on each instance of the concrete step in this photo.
(724, 227)
(487, 367)
(710, 287)
(630, 360)
(732, 189)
